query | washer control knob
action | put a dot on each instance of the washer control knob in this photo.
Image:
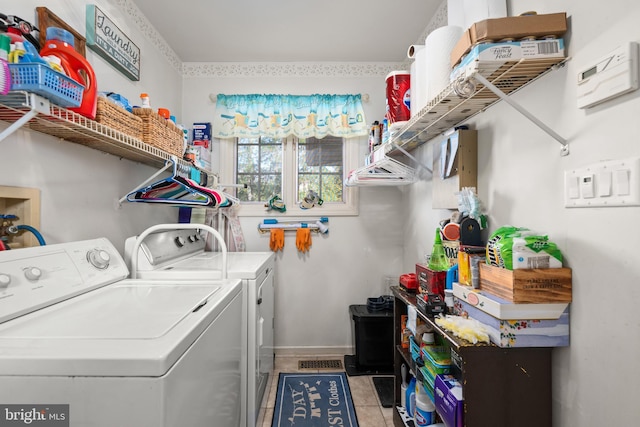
(179, 241)
(32, 273)
(5, 280)
(192, 238)
(99, 258)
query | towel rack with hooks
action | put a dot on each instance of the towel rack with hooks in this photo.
(317, 225)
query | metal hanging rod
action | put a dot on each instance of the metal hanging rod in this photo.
(318, 224)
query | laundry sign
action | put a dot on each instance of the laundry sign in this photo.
(107, 40)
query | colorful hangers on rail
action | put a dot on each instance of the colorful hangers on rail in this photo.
(182, 188)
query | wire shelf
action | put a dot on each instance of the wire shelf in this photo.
(460, 100)
(70, 126)
(450, 108)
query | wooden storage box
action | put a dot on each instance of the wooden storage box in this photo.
(160, 132)
(527, 285)
(116, 117)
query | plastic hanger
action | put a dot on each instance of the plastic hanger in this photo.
(177, 190)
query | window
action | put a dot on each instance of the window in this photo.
(290, 167)
(259, 166)
(320, 168)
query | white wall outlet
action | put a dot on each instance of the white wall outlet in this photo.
(607, 183)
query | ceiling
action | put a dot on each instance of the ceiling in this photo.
(290, 30)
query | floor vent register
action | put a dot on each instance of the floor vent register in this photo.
(320, 364)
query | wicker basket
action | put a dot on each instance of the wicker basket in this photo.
(160, 132)
(116, 117)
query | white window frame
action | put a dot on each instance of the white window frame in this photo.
(349, 207)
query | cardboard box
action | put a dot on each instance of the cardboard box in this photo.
(518, 27)
(430, 281)
(488, 57)
(520, 332)
(506, 310)
(201, 134)
(449, 400)
(541, 285)
(515, 27)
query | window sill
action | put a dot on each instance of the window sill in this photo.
(327, 209)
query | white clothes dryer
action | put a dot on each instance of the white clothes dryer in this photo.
(74, 331)
(177, 252)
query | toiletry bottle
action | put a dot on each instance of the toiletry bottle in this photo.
(411, 397)
(5, 46)
(438, 260)
(16, 54)
(425, 409)
(144, 98)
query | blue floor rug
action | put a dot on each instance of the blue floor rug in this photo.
(314, 400)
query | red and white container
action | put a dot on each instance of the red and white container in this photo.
(398, 96)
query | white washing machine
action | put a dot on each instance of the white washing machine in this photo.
(173, 252)
(74, 331)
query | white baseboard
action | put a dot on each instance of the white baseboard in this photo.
(313, 351)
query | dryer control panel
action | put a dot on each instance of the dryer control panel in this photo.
(165, 247)
(33, 278)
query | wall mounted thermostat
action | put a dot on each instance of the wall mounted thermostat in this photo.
(611, 76)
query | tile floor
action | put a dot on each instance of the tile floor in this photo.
(368, 409)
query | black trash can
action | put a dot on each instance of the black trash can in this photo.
(373, 339)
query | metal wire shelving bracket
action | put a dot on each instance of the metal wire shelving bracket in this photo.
(412, 157)
(35, 105)
(565, 145)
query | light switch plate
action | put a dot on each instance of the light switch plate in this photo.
(607, 183)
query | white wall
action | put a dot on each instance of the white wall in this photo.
(595, 380)
(79, 185)
(350, 263)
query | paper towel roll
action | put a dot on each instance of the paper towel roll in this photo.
(438, 47)
(419, 95)
(464, 13)
(413, 50)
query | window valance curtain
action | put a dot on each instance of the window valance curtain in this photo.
(279, 116)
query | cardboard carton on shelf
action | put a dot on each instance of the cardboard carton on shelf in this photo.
(519, 332)
(486, 58)
(507, 310)
(513, 27)
(449, 400)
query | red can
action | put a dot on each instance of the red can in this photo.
(398, 96)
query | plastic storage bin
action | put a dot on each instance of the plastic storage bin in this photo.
(46, 82)
(373, 335)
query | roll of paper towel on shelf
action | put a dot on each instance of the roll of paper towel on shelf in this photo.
(438, 46)
(413, 50)
(464, 13)
(419, 96)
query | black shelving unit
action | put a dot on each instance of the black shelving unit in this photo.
(502, 387)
